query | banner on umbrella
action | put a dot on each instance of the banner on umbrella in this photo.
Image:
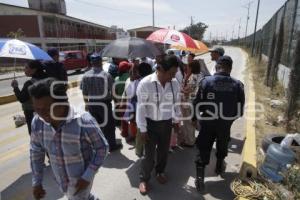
(19, 49)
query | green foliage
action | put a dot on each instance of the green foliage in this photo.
(196, 31)
(17, 34)
(293, 180)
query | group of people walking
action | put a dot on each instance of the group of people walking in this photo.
(157, 105)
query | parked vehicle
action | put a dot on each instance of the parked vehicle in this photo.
(177, 52)
(73, 60)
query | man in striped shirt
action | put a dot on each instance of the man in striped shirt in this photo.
(96, 86)
(75, 145)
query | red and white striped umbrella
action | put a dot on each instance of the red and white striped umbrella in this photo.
(173, 37)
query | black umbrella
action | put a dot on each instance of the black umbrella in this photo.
(131, 47)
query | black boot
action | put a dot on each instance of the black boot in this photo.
(199, 181)
(220, 166)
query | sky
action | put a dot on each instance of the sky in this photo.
(222, 16)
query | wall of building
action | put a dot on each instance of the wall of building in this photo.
(63, 28)
(53, 6)
(47, 29)
(29, 24)
(143, 34)
(12, 10)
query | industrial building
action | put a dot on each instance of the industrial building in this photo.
(46, 24)
(142, 32)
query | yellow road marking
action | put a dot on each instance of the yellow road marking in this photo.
(11, 139)
(8, 155)
(249, 167)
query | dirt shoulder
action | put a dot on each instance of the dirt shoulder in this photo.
(270, 105)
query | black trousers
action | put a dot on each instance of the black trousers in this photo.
(28, 117)
(211, 131)
(159, 141)
(104, 116)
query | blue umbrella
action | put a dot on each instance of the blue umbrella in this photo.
(13, 48)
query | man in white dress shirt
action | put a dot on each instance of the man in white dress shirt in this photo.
(158, 112)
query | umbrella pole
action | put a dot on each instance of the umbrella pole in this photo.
(15, 68)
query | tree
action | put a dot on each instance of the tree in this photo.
(19, 33)
(196, 31)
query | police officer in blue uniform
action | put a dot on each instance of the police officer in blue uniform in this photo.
(219, 101)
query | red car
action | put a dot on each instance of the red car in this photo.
(73, 60)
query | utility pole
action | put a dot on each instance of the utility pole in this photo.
(254, 35)
(248, 17)
(232, 35)
(239, 31)
(153, 22)
(192, 22)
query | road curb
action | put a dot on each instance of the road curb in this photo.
(7, 99)
(12, 98)
(10, 78)
(249, 165)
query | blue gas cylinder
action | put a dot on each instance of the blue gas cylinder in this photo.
(276, 161)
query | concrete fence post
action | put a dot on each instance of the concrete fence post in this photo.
(271, 55)
(277, 56)
(294, 82)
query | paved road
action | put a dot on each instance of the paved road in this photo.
(6, 89)
(5, 79)
(118, 178)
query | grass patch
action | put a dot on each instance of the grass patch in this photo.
(269, 121)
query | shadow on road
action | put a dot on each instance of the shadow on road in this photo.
(181, 174)
(21, 188)
(220, 189)
(117, 160)
(236, 145)
(180, 171)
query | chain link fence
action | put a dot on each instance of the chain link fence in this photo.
(289, 16)
(278, 43)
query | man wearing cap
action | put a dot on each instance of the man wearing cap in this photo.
(55, 68)
(215, 54)
(113, 67)
(96, 86)
(219, 102)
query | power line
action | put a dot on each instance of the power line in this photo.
(254, 36)
(248, 17)
(110, 8)
(119, 10)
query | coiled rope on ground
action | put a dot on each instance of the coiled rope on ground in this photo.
(251, 189)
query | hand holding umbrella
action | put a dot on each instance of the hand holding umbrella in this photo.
(14, 83)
